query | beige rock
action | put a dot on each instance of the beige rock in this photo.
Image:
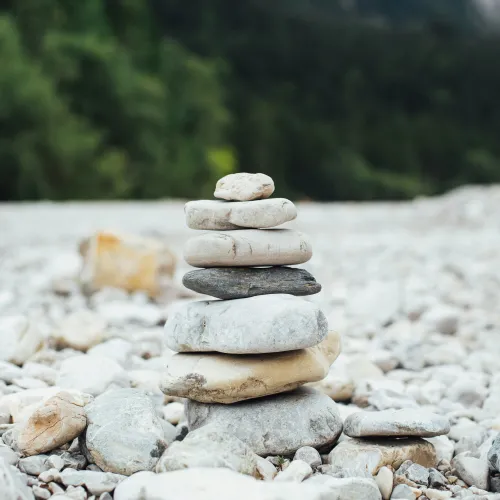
(21, 405)
(223, 378)
(244, 187)
(371, 455)
(81, 330)
(126, 261)
(56, 422)
(248, 247)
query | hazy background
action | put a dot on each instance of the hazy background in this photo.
(335, 99)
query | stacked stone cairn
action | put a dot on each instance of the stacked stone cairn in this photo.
(241, 360)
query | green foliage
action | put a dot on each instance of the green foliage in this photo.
(334, 99)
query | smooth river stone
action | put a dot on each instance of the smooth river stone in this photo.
(408, 422)
(223, 378)
(274, 425)
(239, 283)
(216, 215)
(244, 187)
(257, 325)
(248, 247)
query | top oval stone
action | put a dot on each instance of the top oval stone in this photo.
(244, 187)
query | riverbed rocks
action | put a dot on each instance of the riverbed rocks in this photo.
(244, 187)
(385, 269)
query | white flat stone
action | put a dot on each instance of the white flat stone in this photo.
(224, 378)
(213, 215)
(407, 422)
(256, 325)
(248, 247)
(244, 187)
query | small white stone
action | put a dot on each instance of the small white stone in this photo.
(91, 374)
(20, 339)
(173, 412)
(309, 455)
(95, 482)
(296, 472)
(244, 187)
(266, 469)
(81, 330)
(473, 471)
(384, 480)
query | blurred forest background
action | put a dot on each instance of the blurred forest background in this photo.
(335, 99)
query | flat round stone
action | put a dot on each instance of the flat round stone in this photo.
(248, 247)
(224, 378)
(214, 215)
(244, 187)
(408, 422)
(257, 325)
(274, 425)
(242, 282)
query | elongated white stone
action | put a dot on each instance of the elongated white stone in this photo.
(221, 215)
(251, 247)
(262, 324)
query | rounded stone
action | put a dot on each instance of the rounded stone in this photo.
(244, 187)
(274, 425)
(239, 283)
(213, 215)
(124, 434)
(257, 325)
(407, 422)
(248, 247)
(224, 378)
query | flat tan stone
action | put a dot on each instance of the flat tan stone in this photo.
(57, 421)
(248, 247)
(371, 455)
(129, 262)
(224, 378)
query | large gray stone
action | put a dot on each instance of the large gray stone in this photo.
(244, 187)
(274, 425)
(124, 434)
(263, 324)
(239, 283)
(209, 447)
(214, 484)
(248, 247)
(215, 215)
(406, 422)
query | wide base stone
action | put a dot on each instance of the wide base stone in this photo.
(274, 425)
(239, 283)
(224, 378)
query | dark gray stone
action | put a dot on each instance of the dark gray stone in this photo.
(436, 479)
(239, 283)
(495, 484)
